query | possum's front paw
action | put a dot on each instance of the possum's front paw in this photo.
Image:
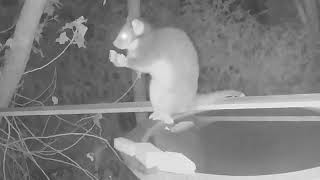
(112, 55)
(119, 60)
(166, 118)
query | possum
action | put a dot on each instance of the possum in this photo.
(170, 57)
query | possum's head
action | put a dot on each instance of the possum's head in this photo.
(132, 30)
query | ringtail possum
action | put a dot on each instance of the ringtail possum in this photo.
(170, 57)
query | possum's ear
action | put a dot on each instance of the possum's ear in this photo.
(138, 27)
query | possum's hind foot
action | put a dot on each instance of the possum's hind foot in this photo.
(166, 118)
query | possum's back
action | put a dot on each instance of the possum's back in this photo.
(173, 46)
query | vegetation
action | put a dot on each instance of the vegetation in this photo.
(69, 65)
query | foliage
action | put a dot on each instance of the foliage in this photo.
(79, 30)
(49, 141)
(238, 52)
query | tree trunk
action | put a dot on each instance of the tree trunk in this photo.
(133, 8)
(18, 56)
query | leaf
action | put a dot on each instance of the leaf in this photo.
(82, 29)
(74, 23)
(90, 156)
(79, 36)
(67, 26)
(54, 100)
(37, 51)
(79, 32)
(63, 38)
(81, 20)
(97, 119)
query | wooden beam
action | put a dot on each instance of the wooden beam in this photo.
(78, 109)
(308, 174)
(247, 102)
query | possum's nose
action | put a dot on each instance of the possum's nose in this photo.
(122, 41)
(119, 44)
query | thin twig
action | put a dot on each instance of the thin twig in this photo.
(54, 59)
(67, 134)
(128, 90)
(59, 152)
(8, 29)
(5, 151)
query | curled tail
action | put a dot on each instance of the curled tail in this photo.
(201, 99)
(211, 98)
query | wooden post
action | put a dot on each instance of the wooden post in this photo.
(140, 89)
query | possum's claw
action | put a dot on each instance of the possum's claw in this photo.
(167, 119)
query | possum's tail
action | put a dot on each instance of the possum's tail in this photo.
(212, 98)
(208, 99)
(201, 100)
